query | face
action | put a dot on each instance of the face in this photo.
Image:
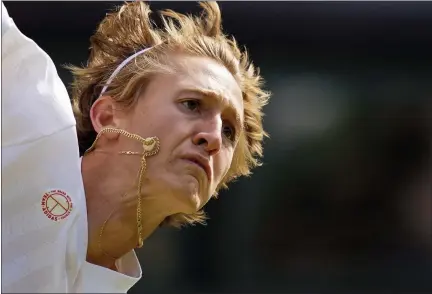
(198, 115)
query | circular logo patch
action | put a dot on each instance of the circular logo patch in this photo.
(56, 205)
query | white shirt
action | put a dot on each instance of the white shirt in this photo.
(44, 221)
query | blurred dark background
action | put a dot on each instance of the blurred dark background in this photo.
(343, 200)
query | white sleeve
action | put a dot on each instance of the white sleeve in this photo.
(39, 154)
(35, 102)
(6, 20)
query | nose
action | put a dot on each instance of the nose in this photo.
(209, 136)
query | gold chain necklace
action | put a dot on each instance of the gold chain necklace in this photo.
(151, 147)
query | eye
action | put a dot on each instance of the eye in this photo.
(192, 104)
(228, 132)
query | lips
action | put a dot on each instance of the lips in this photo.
(201, 161)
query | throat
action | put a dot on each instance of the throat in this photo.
(110, 238)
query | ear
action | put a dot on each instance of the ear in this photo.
(103, 114)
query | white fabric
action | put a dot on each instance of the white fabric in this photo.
(39, 154)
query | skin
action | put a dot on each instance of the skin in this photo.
(197, 111)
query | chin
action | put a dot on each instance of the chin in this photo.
(190, 196)
(185, 193)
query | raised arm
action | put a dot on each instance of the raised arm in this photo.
(35, 102)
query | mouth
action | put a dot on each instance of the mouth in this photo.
(200, 161)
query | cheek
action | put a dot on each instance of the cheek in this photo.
(157, 121)
(222, 166)
(166, 123)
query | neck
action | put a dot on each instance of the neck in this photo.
(112, 210)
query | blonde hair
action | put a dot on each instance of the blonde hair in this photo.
(130, 29)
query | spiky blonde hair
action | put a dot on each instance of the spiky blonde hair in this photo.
(129, 29)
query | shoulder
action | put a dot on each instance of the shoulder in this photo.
(43, 218)
(35, 102)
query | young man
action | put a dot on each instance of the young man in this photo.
(167, 116)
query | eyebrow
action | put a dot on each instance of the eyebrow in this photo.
(214, 95)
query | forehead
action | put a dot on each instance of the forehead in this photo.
(206, 74)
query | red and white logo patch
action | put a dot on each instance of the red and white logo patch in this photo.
(56, 205)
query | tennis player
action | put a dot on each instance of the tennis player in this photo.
(161, 120)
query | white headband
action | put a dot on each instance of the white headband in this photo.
(111, 78)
